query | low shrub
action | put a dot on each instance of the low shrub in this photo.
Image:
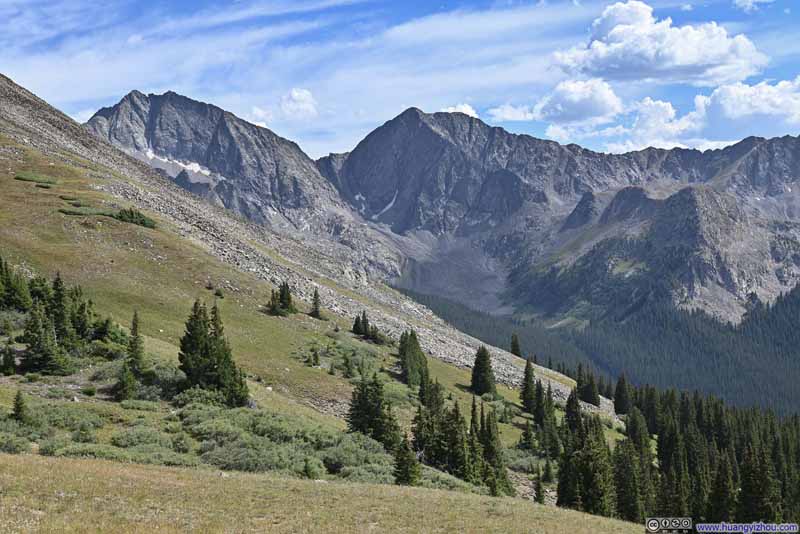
(198, 395)
(134, 216)
(11, 444)
(369, 473)
(138, 436)
(141, 405)
(89, 391)
(51, 446)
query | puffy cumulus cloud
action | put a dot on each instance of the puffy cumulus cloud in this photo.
(299, 104)
(466, 109)
(738, 101)
(580, 101)
(575, 102)
(748, 6)
(657, 124)
(628, 43)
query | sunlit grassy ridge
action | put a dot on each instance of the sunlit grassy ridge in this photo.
(100, 496)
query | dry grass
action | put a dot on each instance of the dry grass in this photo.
(47, 495)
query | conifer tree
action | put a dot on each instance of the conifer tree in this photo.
(494, 462)
(539, 404)
(20, 411)
(407, 471)
(136, 347)
(316, 306)
(8, 364)
(526, 441)
(622, 397)
(528, 392)
(195, 346)
(413, 362)
(126, 385)
(515, 348)
(548, 475)
(482, 374)
(759, 498)
(572, 416)
(371, 414)
(538, 489)
(357, 329)
(285, 298)
(630, 504)
(722, 502)
(365, 326)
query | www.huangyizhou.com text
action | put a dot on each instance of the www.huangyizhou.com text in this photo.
(747, 528)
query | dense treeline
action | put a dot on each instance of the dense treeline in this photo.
(711, 461)
(665, 347)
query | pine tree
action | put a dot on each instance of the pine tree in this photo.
(630, 504)
(526, 441)
(494, 462)
(413, 362)
(285, 298)
(572, 416)
(8, 364)
(126, 385)
(195, 346)
(357, 329)
(136, 347)
(59, 314)
(528, 392)
(548, 471)
(20, 411)
(759, 498)
(515, 348)
(223, 374)
(482, 374)
(371, 414)
(539, 405)
(622, 397)
(538, 489)
(365, 326)
(722, 502)
(407, 471)
(43, 353)
(316, 306)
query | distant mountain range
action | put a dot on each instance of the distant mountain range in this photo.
(498, 221)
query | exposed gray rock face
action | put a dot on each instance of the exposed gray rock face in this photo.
(238, 165)
(443, 203)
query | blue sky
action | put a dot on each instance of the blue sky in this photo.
(612, 76)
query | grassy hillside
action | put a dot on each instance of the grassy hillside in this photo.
(99, 496)
(54, 219)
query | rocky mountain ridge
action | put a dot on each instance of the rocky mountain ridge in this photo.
(457, 208)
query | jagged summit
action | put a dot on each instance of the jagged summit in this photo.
(454, 205)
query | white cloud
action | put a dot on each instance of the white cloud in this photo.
(748, 6)
(657, 124)
(779, 101)
(629, 43)
(687, 7)
(466, 109)
(580, 101)
(260, 116)
(511, 113)
(299, 104)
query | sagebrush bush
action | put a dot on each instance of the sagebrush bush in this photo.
(141, 435)
(141, 405)
(12, 444)
(369, 473)
(51, 446)
(197, 395)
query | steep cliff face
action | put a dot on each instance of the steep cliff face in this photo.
(455, 207)
(246, 168)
